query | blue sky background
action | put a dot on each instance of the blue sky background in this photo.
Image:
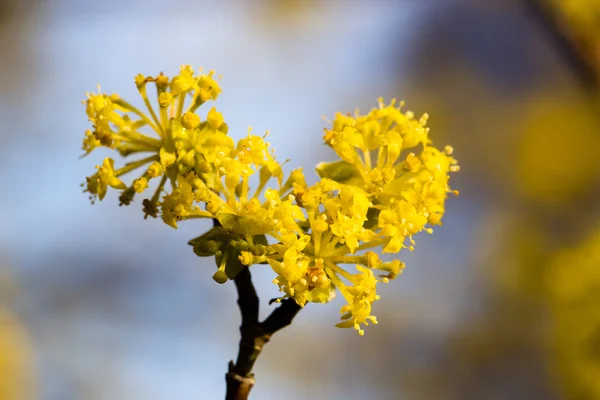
(119, 307)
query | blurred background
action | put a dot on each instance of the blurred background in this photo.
(502, 302)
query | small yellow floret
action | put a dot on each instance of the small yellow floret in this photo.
(140, 184)
(155, 170)
(215, 118)
(190, 120)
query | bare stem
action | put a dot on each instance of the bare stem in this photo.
(255, 335)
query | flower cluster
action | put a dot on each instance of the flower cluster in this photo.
(181, 145)
(389, 185)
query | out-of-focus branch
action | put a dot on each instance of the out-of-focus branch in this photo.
(574, 53)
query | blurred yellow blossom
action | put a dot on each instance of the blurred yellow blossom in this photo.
(574, 299)
(556, 159)
(16, 382)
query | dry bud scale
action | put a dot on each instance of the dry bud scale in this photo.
(389, 184)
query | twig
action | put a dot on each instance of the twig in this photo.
(239, 377)
(281, 316)
(254, 334)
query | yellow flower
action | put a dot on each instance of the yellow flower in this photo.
(208, 88)
(286, 214)
(389, 185)
(308, 257)
(398, 221)
(240, 208)
(291, 276)
(90, 142)
(98, 183)
(302, 278)
(182, 143)
(215, 118)
(155, 170)
(140, 184)
(348, 213)
(360, 296)
(179, 204)
(407, 192)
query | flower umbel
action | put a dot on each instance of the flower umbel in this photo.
(389, 184)
(180, 144)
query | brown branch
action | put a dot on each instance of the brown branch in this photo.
(564, 43)
(239, 377)
(281, 316)
(254, 335)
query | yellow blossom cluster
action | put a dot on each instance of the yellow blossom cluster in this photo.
(180, 143)
(389, 185)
